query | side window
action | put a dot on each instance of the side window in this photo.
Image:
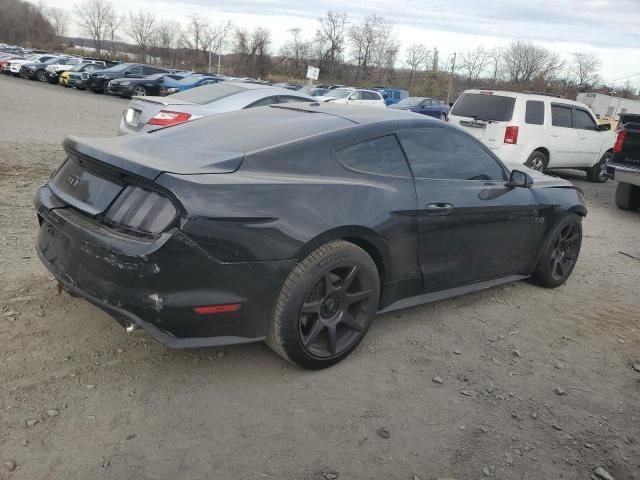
(381, 156)
(396, 95)
(561, 116)
(584, 121)
(137, 70)
(263, 102)
(357, 95)
(150, 70)
(288, 99)
(440, 153)
(534, 114)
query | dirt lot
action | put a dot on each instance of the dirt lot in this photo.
(82, 400)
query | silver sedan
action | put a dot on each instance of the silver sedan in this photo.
(146, 114)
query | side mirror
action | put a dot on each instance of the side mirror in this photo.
(604, 127)
(519, 178)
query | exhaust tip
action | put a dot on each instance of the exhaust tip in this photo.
(131, 327)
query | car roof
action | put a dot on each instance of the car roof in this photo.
(538, 96)
(281, 124)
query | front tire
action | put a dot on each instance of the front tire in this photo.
(139, 91)
(326, 306)
(537, 161)
(627, 196)
(560, 253)
(41, 76)
(598, 173)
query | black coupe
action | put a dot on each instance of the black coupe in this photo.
(139, 87)
(295, 224)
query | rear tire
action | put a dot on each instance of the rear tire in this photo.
(326, 306)
(598, 173)
(537, 161)
(560, 253)
(627, 196)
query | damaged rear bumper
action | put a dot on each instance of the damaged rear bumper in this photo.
(156, 283)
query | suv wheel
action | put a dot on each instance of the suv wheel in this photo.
(560, 253)
(627, 196)
(326, 306)
(598, 173)
(537, 161)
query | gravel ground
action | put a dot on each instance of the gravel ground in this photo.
(517, 382)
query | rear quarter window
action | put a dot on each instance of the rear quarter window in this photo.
(534, 114)
(379, 156)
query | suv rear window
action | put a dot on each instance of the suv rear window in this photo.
(208, 93)
(534, 114)
(484, 107)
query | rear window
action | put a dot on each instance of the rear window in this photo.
(209, 93)
(484, 107)
(535, 112)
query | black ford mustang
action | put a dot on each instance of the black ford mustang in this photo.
(295, 224)
(140, 87)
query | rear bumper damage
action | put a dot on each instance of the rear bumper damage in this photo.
(157, 283)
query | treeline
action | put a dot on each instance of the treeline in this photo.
(24, 23)
(363, 52)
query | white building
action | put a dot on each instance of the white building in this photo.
(606, 105)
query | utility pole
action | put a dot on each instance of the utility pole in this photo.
(218, 62)
(453, 68)
(209, 61)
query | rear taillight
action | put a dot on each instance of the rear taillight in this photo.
(142, 211)
(165, 118)
(617, 148)
(511, 135)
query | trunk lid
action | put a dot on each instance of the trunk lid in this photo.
(149, 155)
(142, 109)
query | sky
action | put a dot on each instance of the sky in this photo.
(608, 28)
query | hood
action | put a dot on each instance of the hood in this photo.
(148, 155)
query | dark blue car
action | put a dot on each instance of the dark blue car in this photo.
(194, 80)
(425, 106)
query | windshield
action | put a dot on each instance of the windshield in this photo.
(318, 92)
(52, 60)
(117, 68)
(411, 102)
(484, 107)
(340, 93)
(209, 93)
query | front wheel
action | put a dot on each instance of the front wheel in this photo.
(41, 76)
(326, 306)
(598, 173)
(560, 253)
(139, 91)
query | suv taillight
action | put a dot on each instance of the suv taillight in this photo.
(165, 118)
(617, 148)
(511, 135)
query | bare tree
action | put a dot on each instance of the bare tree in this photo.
(473, 63)
(113, 24)
(92, 18)
(59, 18)
(329, 42)
(141, 28)
(584, 69)
(435, 58)
(524, 63)
(296, 51)
(259, 51)
(417, 57)
(167, 34)
(495, 56)
(217, 37)
(365, 39)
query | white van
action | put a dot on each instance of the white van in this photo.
(538, 130)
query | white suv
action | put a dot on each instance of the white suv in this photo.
(538, 130)
(353, 96)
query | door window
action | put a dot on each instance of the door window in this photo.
(445, 154)
(291, 99)
(380, 156)
(370, 96)
(357, 95)
(137, 70)
(584, 121)
(561, 116)
(534, 114)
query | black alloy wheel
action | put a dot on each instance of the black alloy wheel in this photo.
(565, 251)
(326, 306)
(42, 76)
(335, 311)
(560, 253)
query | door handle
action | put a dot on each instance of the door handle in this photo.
(438, 208)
